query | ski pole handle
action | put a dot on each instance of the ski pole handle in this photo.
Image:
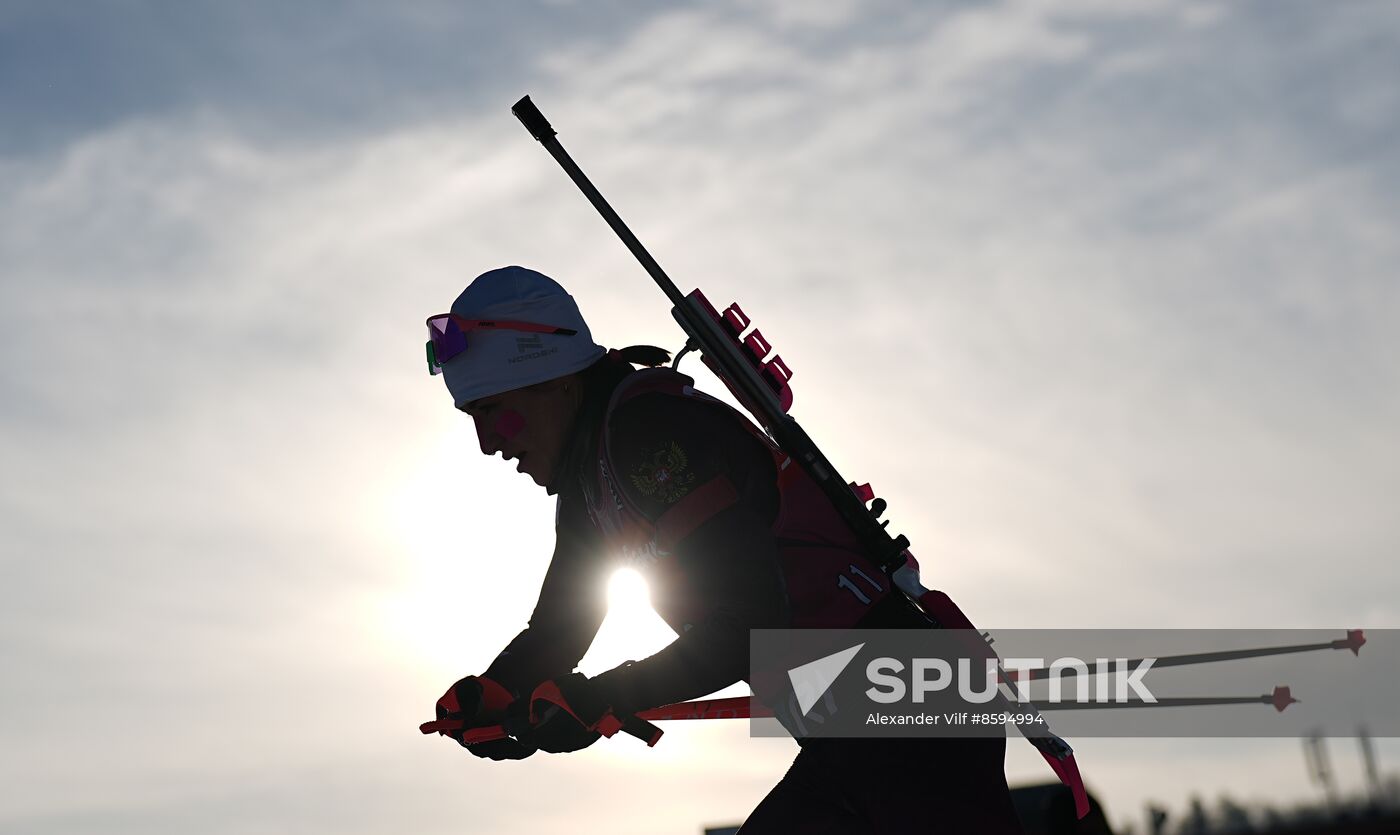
(470, 736)
(489, 733)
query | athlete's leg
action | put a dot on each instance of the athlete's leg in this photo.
(806, 800)
(938, 786)
(843, 786)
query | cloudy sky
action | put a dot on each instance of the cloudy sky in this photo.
(1101, 295)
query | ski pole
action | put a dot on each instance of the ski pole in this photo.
(1353, 641)
(742, 707)
(1280, 698)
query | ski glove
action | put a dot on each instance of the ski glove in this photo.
(569, 714)
(476, 701)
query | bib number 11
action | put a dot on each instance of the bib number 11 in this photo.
(847, 583)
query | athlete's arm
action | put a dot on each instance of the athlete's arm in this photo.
(571, 607)
(710, 487)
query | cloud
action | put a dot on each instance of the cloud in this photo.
(1098, 296)
(317, 72)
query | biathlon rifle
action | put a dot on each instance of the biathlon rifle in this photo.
(758, 378)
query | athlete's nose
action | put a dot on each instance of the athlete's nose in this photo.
(490, 441)
(505, 425)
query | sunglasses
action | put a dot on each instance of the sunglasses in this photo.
(447, 335)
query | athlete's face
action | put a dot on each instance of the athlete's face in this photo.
(530, 425)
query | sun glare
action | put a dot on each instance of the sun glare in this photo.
(628, 590)
(632, 629)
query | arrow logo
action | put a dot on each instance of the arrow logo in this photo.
(811, 680)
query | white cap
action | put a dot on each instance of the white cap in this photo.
(497, 359)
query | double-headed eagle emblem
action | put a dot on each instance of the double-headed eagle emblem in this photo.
(663, 476)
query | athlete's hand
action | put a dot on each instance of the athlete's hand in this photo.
(476, 701)
(570, 713)
(558, 716)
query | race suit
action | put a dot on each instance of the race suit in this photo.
(733, 537)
